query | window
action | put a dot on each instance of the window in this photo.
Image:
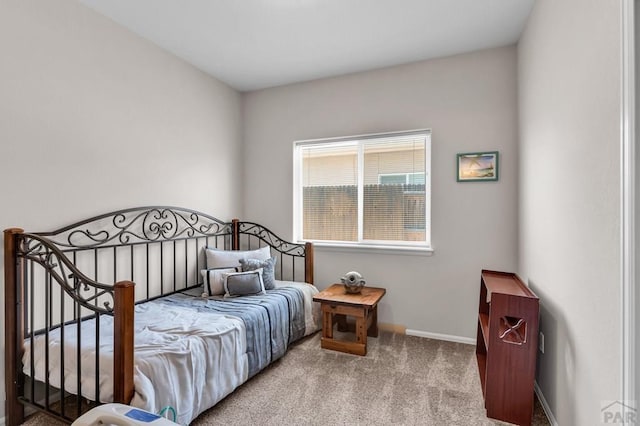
(370, 190)
(401, 178)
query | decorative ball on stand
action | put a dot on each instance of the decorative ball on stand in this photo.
(353, 282)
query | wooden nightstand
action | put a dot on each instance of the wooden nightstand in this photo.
(337, 304)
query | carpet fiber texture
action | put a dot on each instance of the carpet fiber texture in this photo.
(403, 380)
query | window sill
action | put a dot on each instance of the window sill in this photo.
(372, 248)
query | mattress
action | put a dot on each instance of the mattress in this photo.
(189, 352)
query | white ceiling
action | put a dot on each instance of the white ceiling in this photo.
(254, 44)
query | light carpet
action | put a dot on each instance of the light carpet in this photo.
(403, 380)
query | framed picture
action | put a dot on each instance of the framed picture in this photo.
(478, 166)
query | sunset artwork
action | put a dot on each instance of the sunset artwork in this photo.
(478, 166)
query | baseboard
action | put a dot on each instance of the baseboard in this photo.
(393, 328)
(545, 405)
(2, 421)
(438, 336)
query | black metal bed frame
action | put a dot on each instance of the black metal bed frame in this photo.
(88, 269)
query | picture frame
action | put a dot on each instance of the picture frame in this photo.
(478, 166)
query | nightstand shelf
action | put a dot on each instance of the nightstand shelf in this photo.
(507, 342)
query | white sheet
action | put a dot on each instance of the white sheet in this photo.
(186, 361)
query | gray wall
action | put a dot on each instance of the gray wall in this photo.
(93, 119)
(469, 101)
(568, 74)
(636, 319)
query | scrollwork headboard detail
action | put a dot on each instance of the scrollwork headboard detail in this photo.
(138, 225)
(56, 265)
(157, 225)
(160, 248)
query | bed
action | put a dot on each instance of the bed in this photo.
(120, 308)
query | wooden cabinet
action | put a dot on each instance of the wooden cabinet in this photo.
(507, 345)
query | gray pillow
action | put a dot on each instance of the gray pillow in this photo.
(268, 270)
(243, 283)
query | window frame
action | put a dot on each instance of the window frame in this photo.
(422, 246)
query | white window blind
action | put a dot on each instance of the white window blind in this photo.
(369, 190)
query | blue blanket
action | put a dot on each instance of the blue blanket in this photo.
(272, 321)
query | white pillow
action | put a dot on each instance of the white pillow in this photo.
(243, 283)
(213, 280)
(231, 258)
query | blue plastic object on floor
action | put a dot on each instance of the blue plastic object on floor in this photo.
(120, 415)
